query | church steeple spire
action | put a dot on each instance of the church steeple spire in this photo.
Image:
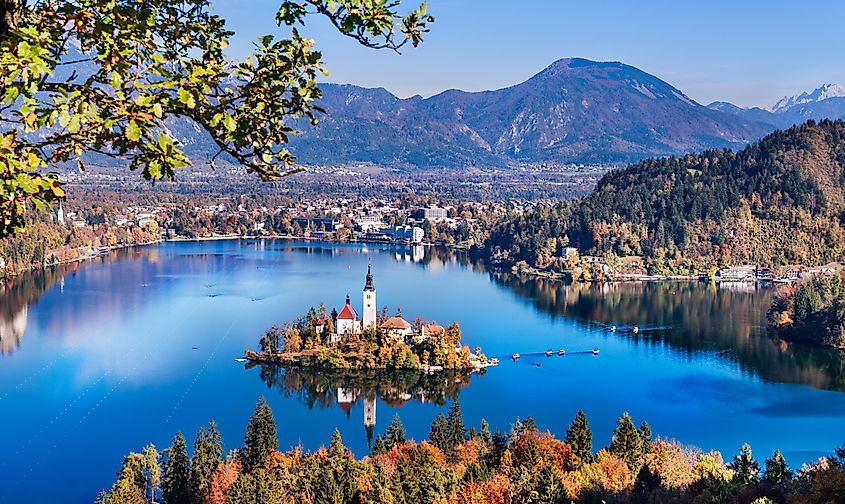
(368, 286)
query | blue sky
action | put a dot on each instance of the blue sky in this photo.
(749, 52)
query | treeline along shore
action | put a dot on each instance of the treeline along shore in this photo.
(461, 464)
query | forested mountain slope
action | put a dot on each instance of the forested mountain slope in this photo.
(779, 201)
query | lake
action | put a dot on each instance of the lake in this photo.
(101, 358)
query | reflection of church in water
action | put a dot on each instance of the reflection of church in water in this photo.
(347, 397)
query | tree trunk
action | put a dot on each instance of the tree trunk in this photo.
(11, 12)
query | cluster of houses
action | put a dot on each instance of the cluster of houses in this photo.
(764, 274)
(347, 322)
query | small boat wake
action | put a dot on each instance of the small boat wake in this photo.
(636, 329)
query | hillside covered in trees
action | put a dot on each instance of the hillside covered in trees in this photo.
(780, 201)
(813, 311)
(467, 465)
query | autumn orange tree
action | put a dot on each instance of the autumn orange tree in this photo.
(101, 77)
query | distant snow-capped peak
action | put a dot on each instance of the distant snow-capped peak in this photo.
(822, 93)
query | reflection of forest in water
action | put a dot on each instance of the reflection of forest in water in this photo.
(342, 388)
(729, 320)
(15, 297)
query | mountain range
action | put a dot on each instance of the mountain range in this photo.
(574, 111)
(824, 102)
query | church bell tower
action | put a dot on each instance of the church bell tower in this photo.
(369, 314)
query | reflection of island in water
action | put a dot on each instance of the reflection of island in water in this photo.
(698, 317)
(328, 388)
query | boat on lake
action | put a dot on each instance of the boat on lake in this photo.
(613, 328)
(549, 352)
(515, 356)
(561, 352)
(595, 351)
(636, 329)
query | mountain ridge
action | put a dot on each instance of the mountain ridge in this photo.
(573, 111)
(825, 102)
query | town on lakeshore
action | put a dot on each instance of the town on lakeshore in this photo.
(343, 339)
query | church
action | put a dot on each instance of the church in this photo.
(348, 322)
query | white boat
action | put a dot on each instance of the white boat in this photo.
(549, 352)
(636, 329)
(241, 360)
(515, 356)
(561, 352)
(613, 328)
(595, 351)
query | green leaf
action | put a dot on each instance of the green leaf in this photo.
(133, 131)
(187, 98)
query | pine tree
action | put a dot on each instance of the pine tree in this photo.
(260, 441)
(500, 446)
(626, 443)
(580, 437)
(208, 450)
(457, 429)
(336, 444)
(379, 447)
(485, 436)
(550, 485)
(176, 486)
(746, 469)
(645, 437)
(527, 425)
(395, 434)
(242, 491)
(268, 489)
(777, 473)
(439, 434)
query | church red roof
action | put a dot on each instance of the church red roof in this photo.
(348, 313)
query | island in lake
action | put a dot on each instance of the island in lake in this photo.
(373, 341)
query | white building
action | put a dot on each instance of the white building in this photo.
(369, 305)
(412, 234)
(347, 320)
(397, 328)
(369, 222)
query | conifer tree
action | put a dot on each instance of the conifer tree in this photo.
(485, 436)
(645, 437)
(500, 446)
(336, 444)
(580, 437)
(176, 486)
(777, 473)
(268, 489)
(242, 491)
(550, 485)
(395, 434)
(379, 447)
(260, 441)
(457, 429)
(746, 469)
(439, 434)
(626, 443)
(208, 450)
(527, 425)
(151, 471)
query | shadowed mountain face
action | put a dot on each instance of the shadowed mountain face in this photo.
(573, 111)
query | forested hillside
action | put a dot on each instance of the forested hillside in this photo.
(777, 202)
